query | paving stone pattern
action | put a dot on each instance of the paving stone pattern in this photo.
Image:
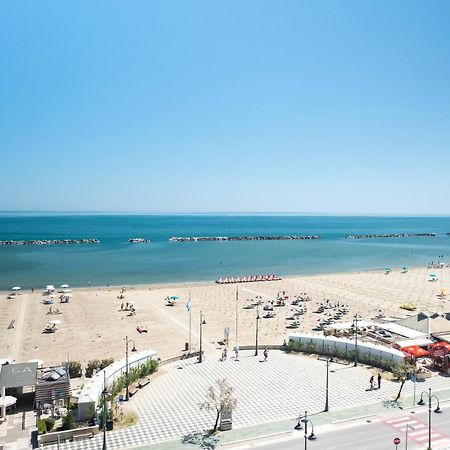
(279, 389)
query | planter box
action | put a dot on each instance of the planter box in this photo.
(423, 375)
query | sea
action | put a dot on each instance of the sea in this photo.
(115, 261)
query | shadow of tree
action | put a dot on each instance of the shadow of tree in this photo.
(202, 439)
(392, 404)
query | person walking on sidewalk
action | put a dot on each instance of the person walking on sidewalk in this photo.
(236, 353)
(371, 382)
(266, 354)
(379, 380)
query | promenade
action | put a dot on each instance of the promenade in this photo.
(272, 393)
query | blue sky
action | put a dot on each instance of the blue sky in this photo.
(209, 106)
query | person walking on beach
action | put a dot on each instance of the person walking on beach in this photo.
(266, 354)
(371, 382)
(379, 380)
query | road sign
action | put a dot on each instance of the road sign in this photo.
(396, 441)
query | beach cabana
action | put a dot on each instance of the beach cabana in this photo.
(416, 351)
(404, 269)
(433, 277)
(388, 270)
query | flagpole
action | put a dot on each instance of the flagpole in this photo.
(237, 296)
(190, 322)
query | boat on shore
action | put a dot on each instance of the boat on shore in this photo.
(248, 279)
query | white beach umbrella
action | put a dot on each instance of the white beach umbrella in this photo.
(65, 286)
(8, 400)
(55, 322)
(16, 288)
(66, 291)
(50, 287)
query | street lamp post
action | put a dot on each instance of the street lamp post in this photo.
(304, 420)
(104, 395)
(437, 410)
(257, 329)
(202, 322)
(127, 378)
(355, 323)
(408, 427)
(326, 386)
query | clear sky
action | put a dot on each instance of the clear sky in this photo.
(209, 106)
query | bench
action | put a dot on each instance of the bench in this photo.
(133, 390)
(143, 382)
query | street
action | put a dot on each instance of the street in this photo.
(378, 434)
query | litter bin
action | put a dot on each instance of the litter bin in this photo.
(109, 425)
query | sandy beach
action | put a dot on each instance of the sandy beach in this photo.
(93, 326)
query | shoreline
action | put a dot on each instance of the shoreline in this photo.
(198, 283)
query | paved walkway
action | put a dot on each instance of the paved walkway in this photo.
(271, 393)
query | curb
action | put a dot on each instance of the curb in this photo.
(280, 433)
(353, 418)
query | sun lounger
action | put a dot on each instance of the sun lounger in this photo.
(141, 330)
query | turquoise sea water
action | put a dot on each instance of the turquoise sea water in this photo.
(115, 261)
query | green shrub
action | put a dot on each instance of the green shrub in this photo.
(68, 421)
(106, 362)
(42, 426)
(92, 367)
(74, 369)
(49, 423)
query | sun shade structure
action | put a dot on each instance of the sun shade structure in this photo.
(415, 350)
(18, 375)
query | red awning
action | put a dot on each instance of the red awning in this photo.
(415, 350)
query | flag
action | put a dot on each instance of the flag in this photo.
(189, 304)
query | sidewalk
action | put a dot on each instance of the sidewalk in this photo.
(261, 431)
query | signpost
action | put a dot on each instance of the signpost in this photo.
(396, 441)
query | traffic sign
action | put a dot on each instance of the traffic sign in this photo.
(396, 441)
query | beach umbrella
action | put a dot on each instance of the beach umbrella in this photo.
(16, 288)
(433, 275)
(50, 287)
(55, 322)
(7, 401)
(65, 286)
(174, 297)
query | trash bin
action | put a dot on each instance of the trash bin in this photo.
(109, 425)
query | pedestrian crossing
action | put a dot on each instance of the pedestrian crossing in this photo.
(418, 432)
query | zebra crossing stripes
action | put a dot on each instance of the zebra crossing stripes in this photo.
(418, 432)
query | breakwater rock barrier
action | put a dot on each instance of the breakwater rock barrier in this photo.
(241, 238)
(51, 242)
(390, 235)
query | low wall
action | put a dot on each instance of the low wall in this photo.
(330, 345)
(66, 435)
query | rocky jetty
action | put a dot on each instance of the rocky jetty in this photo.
(51, 242)
(390, 235)
(241, 238)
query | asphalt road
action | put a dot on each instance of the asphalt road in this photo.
(376, 435)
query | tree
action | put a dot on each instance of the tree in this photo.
(219, 399)
(401, 373)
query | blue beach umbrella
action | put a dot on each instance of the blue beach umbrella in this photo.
(174, 297)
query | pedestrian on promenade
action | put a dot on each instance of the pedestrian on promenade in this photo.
(266, 354)
(236, 353)
(379, 380)
(224, 356)
(371, 382)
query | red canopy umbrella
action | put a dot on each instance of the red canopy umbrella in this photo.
(415, 350)
(441, 344)
(439, 350)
